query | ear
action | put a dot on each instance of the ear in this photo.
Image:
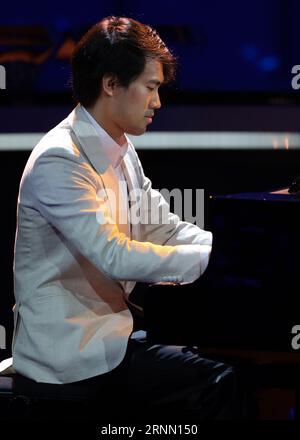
(109, 84)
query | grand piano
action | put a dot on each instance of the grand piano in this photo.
(248, 296)
(255, 268)
(244, 309)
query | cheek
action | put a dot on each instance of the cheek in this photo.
(139, 100)
(127, 110)
(130, 116)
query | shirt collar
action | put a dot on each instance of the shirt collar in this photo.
(113, 151)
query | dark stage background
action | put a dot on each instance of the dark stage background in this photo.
(235, 62)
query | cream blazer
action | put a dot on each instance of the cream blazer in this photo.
(74, 264)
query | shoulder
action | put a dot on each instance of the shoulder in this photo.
(58, 155)
(59, 143)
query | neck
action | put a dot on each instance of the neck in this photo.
(101, 115)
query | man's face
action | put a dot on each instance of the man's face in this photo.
(133, 107)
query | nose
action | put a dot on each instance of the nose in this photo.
(155, 103)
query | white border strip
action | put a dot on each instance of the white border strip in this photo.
(217, 140)
(163, 140)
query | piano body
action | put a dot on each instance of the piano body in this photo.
(244, 309)
(255, 267)
(248, 296)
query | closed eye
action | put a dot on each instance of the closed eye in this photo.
(150, 88)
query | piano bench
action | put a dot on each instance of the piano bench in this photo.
(23, 398)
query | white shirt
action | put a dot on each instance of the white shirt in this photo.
(114, 153)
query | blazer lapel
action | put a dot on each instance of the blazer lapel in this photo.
(134, 204)
(92, 147)
(89, 140)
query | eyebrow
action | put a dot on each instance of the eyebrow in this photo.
(154, 81)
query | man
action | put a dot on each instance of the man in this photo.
(76, 261)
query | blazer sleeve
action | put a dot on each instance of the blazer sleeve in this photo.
(66, 193)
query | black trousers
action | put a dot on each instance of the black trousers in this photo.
(164, 380)
(167, 382)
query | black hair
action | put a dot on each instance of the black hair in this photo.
(119, 46)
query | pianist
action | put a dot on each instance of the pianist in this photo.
(76, 263)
